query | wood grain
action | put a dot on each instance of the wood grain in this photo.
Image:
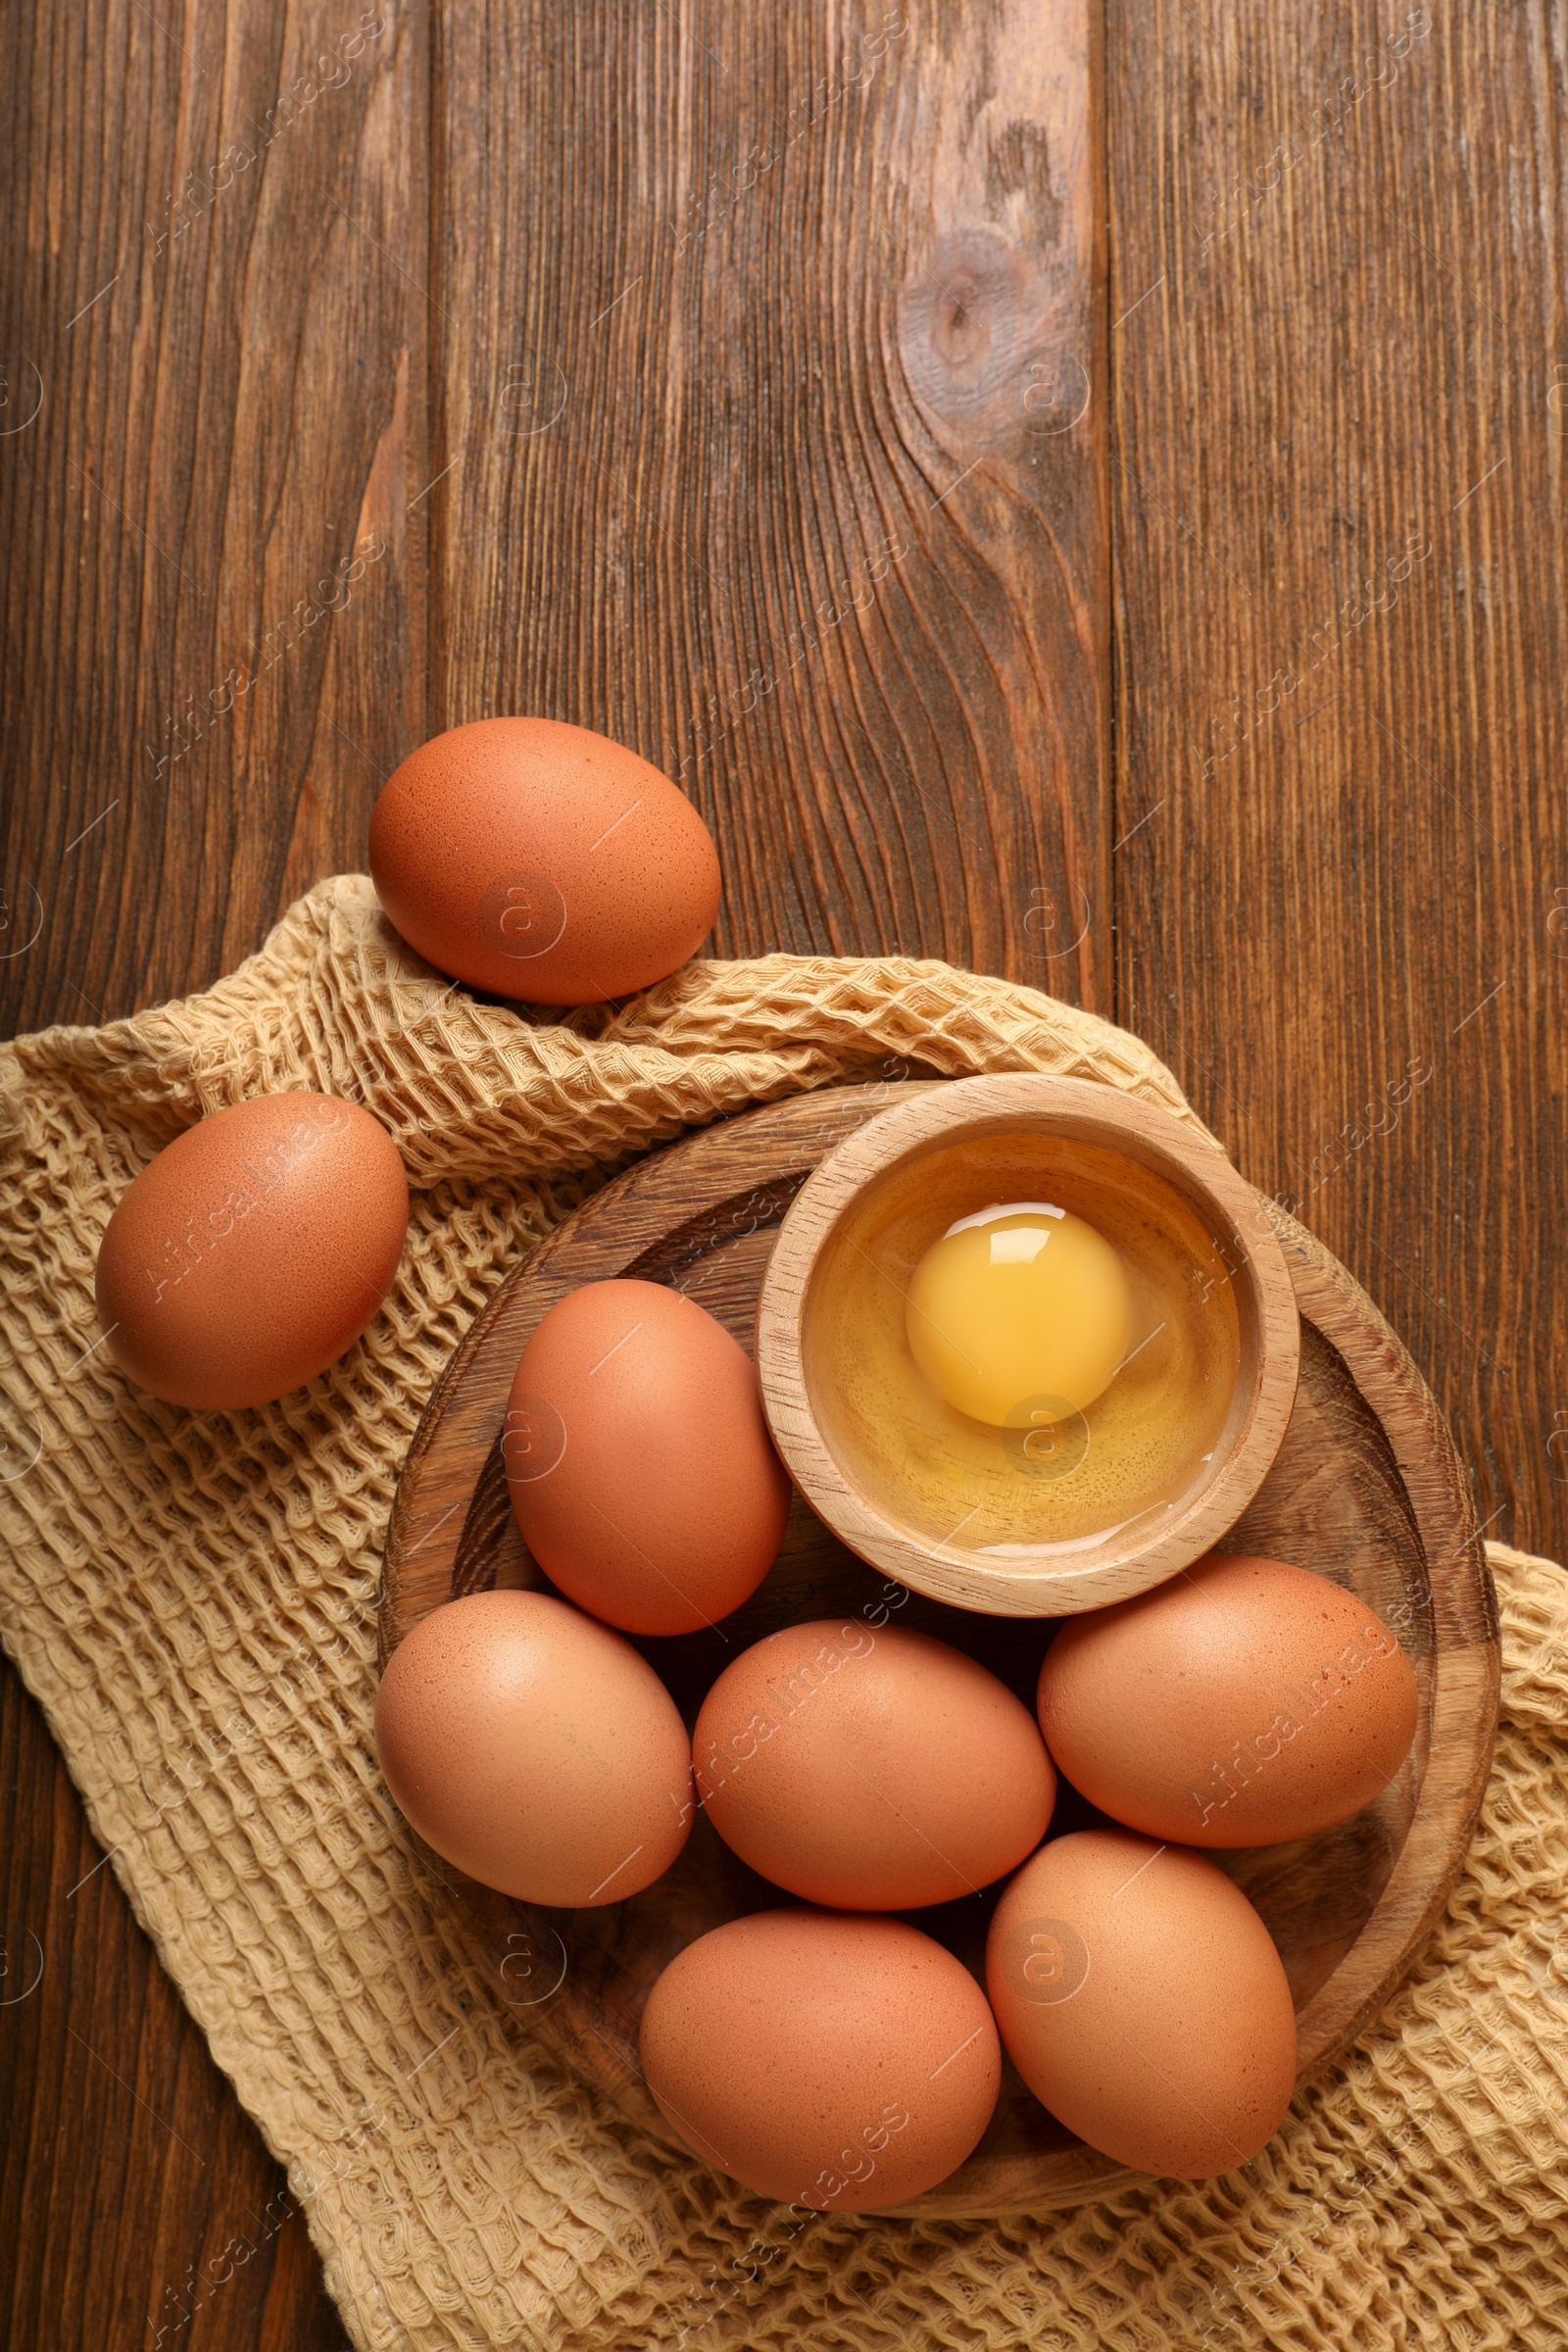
(224, 575)
(1245, 1257)
(1365, 1488)
(1344, 920)
(1292, 931)
(773, 451)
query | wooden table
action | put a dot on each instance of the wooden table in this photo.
(1116, 545)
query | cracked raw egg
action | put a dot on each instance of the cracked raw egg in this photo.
(1022, 1304)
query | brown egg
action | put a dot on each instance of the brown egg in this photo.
(1141, 1998)
(253, 1251)
(542, 861)
(535, 1749)
(872, 1771)
(1243, 1703)
(638, 1460)
(825, 2061)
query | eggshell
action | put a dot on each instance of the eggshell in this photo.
(542, 861)
(252, 1250)
(535, 1749)
(836, 2063)
(1141, 1998)
(871, 1771)
(1243, 1703)
(639, 1464)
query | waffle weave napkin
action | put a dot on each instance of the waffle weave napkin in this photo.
(191, 1598)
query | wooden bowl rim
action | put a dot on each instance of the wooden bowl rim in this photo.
(1084, 1110)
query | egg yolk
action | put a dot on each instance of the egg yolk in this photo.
(1022, 1305)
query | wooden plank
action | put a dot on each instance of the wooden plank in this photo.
(1343, 915)
(229, 357)
(211, 630)
(768, 339)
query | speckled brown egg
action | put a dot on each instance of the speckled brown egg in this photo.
(253, 1251)
(876, 1771)
(542, 861)
(1142, 1999)
(639, 1464)
(825, 2061)
(535, 1749)
(1243, 1703)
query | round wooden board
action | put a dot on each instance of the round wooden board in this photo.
(1366, 1489)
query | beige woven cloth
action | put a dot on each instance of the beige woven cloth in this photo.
(191, 1598)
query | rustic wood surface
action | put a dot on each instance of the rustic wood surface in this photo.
(1326, 875)
(1365, 1488)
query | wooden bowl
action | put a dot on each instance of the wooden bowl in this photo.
(1025, 1520)
(1365, 1489)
